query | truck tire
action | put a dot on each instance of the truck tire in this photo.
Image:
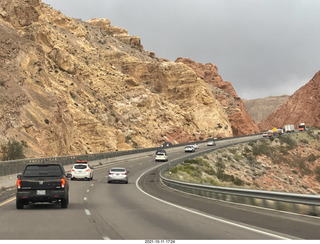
(64, 203)
(19, 204)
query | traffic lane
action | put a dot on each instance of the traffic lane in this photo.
(289, 225)
(127, 213)
(48, 221)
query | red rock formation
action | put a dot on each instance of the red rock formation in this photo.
(241, 121)
(302, 106)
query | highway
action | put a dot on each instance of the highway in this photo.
(144, 209)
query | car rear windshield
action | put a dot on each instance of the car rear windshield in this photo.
(118, 170)
(43, 170)
(80, 166)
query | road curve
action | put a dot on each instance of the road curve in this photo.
(146, 209)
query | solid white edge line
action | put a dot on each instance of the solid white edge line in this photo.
(204, 215)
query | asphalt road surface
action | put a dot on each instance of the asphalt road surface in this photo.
(144, 209)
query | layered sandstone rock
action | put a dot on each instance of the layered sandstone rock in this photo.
(241, 122)
(74, 87)
(301, 107)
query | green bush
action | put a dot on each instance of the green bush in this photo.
(13, 150)
(291, 143)
(220, 165)
(262, 148)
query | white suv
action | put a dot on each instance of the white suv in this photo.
(161, 156)
(81, 171)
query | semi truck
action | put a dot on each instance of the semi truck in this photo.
(289, 128)
(302, 127)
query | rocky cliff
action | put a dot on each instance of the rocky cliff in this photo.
(302, 106)
(74, 87)
(241, 121)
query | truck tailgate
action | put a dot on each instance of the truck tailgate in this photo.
(48, 183)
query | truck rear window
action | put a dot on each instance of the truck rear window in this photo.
(45, 170)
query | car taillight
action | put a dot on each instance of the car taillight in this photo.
(19, 183)
(63, 182)
(88, 170)
(124, 173)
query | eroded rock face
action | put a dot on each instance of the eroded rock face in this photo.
(241, 122)
(73, 87)
(301, 107)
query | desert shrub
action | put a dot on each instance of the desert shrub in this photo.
(233, 150)
(311, 158)
(187, 168)
(13, 150)
(209, 181)
(238, 181)
(209, 170)
(312, 134)
(283, 150)
(220, 165)
(291, 143)
(304, 169)
(262, 148)
(304, 141)
(197, 161)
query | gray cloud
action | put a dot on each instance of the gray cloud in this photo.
(263, 47)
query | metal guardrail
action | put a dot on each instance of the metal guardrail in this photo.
(297, 203)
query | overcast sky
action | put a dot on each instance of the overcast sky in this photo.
(263, 47)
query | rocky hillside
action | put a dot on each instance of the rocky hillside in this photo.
(74, 87)
(288, 163)
(302, 106)
(260, 108)
(241, 121)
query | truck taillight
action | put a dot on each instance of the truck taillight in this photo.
(63, 182)
(19, 183)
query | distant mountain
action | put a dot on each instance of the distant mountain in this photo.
(302, 106)
(260, 108)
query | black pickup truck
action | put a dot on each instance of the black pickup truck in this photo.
(42, 183)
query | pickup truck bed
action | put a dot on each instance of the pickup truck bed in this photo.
(42, 183)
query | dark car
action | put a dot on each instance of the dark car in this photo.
(42, 183)
(161, 151)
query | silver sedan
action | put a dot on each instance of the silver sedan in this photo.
(118, 174)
